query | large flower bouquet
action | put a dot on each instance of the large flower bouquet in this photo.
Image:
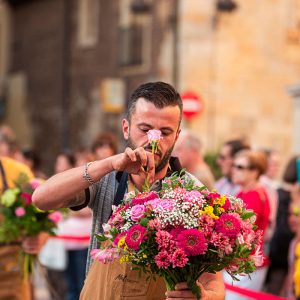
(181, 232)
(20, 218)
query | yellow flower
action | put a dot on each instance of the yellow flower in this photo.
(220, 210)
(121, 242)
(124, 259)
(296, 210)
(144, 256)
(209, 210)
(297, 270)
(221, 200)
(126, 248)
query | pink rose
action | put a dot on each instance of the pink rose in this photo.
(35, 183)
(20, 211)
(154, 135)
(137, 212)
(55, 217)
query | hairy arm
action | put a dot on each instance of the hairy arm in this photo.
(66, 189)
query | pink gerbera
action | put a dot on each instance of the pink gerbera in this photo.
(143, 197)
(229, 225)
(192, 242)
(134, 236)
(176, 231)
(163, 259)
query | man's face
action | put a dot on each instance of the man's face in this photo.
(145, 117)
(225, 160)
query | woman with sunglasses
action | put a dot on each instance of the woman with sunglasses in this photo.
(248, 166)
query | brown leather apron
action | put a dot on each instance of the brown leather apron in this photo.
(115, 281)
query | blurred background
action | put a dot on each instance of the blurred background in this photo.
(67, 68)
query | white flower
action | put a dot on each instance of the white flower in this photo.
(106, 227)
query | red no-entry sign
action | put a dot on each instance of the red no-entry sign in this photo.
(192, 104)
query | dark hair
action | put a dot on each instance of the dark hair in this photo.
(32, 156)
(290, 172)
(69, 156)
(159, 93)
(104, 139)
(237, 145)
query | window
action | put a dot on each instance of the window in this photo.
(134, 38)
(88, 22)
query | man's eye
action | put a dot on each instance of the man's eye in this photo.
(166, 133)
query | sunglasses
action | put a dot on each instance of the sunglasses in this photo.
(223, 157)
(241, 167)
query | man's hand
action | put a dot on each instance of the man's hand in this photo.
(211, 286)
(135, 162)
(33, 244)
(183, 292)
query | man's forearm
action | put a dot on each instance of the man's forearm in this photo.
(64, 189)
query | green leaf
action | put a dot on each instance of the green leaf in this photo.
(101, 238)
(144, 222)
(247, 214)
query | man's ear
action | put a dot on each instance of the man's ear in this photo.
(177, 134)
(125, 128)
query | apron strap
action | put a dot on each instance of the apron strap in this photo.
(3, 177)
(122, 187)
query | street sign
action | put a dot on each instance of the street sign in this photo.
(192, 104)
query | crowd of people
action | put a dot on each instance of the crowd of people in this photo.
(249, 173)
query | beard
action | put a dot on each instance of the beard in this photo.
(164, 159)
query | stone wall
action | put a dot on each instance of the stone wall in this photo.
(242, 63)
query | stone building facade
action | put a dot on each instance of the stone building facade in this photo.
(242, 63)
(73, 64)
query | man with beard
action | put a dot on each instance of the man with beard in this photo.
(100, 184)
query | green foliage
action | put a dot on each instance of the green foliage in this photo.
(211, 159)
(31, 222)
